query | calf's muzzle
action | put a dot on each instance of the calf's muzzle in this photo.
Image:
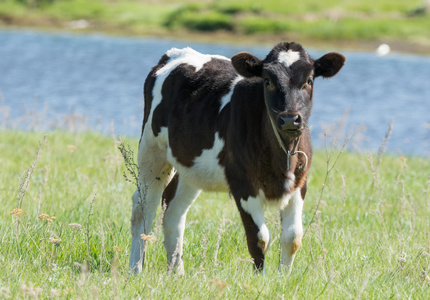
(290, 122)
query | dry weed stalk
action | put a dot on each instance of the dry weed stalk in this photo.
(317, 228)
(403, 200)
(329, 168)
(428, 196)
(87, 233)
(75, 229)
(377, 182)
(385, 141)
(17, 212)
(343, 194)
(219, 234)
(24, 183)
(55, 240)
(159, 223)
(102, 240)
(23, 187)
(133, 171)
(312, 253)
(130, 165)
(403, 166)
(204, 244)
(45, 180)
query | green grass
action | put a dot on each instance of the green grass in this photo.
(370, 238)
(310, 20)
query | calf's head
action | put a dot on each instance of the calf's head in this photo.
(287, 75)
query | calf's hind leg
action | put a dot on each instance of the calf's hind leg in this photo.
(178, 197)
(154, 172)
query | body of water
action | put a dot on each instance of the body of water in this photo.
(95, 81)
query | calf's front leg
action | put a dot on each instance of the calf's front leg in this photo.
(292, 230)
(257, 234)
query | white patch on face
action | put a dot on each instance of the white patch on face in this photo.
(206, 172)
(255, 207)
(287, 58)
(227, 98)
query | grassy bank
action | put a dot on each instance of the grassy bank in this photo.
(370, 237)
(355, 23)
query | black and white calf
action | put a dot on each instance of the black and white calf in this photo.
(215, 124)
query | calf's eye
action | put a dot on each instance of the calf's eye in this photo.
(267, 82)
(308, 83)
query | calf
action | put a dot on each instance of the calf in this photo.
(238, 126)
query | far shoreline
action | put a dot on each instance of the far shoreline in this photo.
(224, 37)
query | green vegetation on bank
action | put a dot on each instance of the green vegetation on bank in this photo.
(398, 21)
(65, 229)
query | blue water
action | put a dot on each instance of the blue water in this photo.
(95, 81)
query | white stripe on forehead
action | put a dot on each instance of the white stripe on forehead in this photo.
(287, 58)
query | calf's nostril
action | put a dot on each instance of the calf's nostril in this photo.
(297, 121)
(281, 122)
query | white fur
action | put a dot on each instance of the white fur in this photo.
(206, 172)
(292, 228)
(174, 224)
(186, 56)
(289, 184)
(227, 98)
(287, 58)
(156, 100)
(255, 207)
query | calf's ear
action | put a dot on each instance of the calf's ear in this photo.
(247, 64)
(329, 64)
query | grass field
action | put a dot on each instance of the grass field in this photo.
(404, 23)
(65, 229)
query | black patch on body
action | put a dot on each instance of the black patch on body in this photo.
(190, 107)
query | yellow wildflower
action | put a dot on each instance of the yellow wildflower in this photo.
(43, 216)
(16, 211)
(147, 237)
